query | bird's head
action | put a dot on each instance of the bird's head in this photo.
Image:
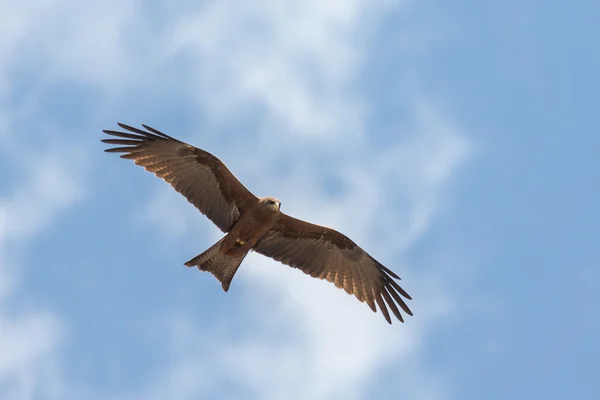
(271, 202)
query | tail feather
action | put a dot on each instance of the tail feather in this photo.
(222, 266)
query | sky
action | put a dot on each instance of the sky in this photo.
(458, 143)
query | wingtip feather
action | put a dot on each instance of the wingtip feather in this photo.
(383, 308)
(125, 126)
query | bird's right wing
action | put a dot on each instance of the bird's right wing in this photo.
(198, 175)
(325, 253)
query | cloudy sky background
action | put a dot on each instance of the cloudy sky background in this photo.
(458, 144)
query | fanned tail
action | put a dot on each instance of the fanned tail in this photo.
(222, 266)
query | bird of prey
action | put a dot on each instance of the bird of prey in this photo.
(253, 223)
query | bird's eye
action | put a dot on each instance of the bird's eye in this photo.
(271, 202)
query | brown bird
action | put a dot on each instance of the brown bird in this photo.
(257, 224)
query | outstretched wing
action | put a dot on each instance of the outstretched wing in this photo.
(198, 175)
(327, 254)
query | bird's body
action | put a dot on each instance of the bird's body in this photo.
(253, 223)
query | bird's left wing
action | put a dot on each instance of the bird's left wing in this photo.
(198, 175)
(327, 254)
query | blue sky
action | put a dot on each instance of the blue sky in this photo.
(458, 143)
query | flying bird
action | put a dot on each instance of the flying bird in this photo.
(253, 223)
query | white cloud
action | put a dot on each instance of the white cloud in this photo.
(51, 187)
(175, 221)
(421, 167)
(29, 335)
(28, 344)
(59, 39)
(273, 53)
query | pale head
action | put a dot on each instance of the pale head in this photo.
(271, 202)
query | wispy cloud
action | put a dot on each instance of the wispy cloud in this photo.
(50, 187)
(28, 345)
(62, 40)
(273, 54)
(29, 334)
